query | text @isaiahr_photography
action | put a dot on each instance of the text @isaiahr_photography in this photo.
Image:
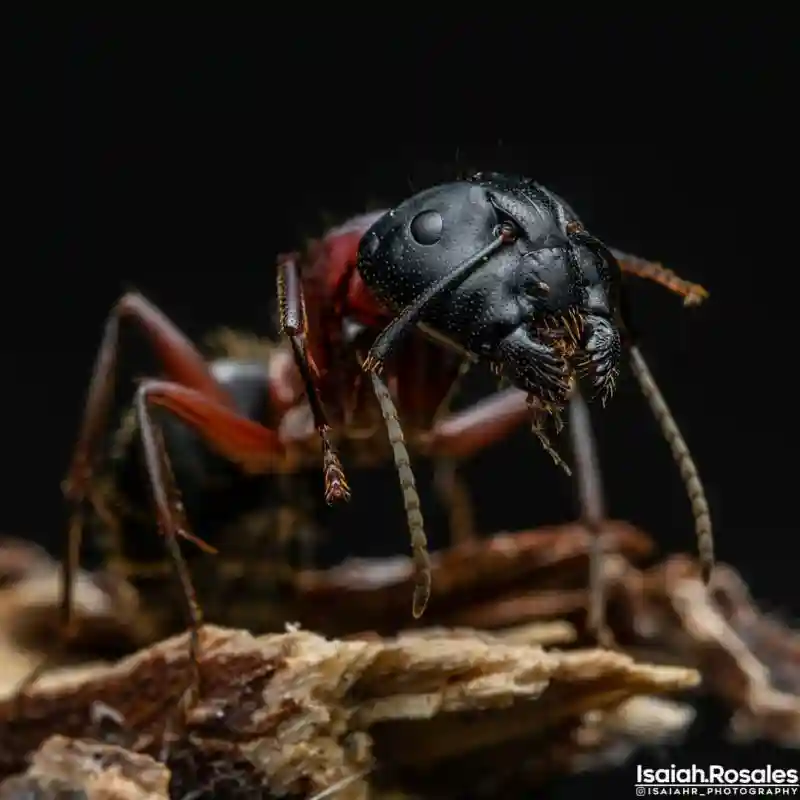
(716, 780)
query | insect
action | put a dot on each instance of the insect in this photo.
(206, 434)
(265, 525)
(379, 291)
(499, 270)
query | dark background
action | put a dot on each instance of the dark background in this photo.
(189, 153)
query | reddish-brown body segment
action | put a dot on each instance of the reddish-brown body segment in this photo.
(343, 318)
(332, 273)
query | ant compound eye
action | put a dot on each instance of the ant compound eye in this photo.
(507, 231)
(426, 227)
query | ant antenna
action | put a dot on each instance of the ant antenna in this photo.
(402, 461)
(683, 458)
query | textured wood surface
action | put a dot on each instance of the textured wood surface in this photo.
(295, 713)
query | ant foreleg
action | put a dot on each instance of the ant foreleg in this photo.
(293, 326)
(592, 511)
(447, 481)
(460, 435)
(466, 432)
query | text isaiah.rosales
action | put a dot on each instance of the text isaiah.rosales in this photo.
(715, 780)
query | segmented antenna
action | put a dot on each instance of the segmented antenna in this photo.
(683, 458)
(692, 293)
(419, 542)
(280, 280)
(592, 509)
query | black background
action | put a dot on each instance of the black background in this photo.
(189, 152)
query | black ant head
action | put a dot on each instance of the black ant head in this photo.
(568, 279)
(537, 296)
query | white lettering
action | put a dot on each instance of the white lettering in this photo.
(716, 779)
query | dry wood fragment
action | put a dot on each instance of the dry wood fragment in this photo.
(109, 772)
(749, 661)
(72, 768)
(30, 615)
(477, 584)
(367, 595)
(294, 712)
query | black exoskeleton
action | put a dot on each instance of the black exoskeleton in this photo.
(503, 269)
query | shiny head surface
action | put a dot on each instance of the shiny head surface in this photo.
(538, 297)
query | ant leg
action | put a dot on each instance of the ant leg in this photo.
(469, 431)
(181, 361)
(243, 441)
(453, 491)
(449, 484)
(253, 447)
(490, 420)
(592, 511)
(293, 325)
(692, 293)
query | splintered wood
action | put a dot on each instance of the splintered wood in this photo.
(64, 768)
(295, 713)
(471, 699)
(749, 661)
